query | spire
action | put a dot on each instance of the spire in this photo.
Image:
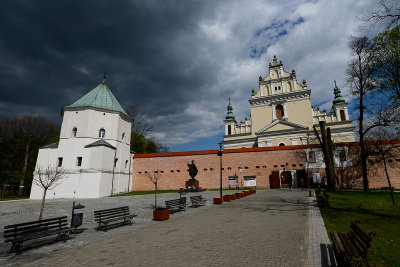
(104, 77)
(229, 115)
(338, 97)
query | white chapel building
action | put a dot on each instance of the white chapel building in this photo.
(94, 148)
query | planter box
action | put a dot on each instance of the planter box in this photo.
(233, 196)
(227, 198)
(237, 195)
(217, 200)
(242, 194)
(161, 214)
(254, 191)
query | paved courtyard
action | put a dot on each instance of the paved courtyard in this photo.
(270, 228)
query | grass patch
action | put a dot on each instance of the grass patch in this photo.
(133, 193)
(376, 213)
(13, 198)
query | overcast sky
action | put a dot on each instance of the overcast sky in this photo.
(179, 61)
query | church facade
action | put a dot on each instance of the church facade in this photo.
(93, 149)
(282, 114)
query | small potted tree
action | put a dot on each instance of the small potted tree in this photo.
(159, 213)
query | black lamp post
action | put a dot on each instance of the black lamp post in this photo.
(220, 168)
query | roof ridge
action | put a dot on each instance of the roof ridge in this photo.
(99, 97)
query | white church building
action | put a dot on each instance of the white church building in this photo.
(94, 148)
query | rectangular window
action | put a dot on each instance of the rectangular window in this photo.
(342, 155)
(126, 164)
(311, 156)
(60, 162)
(115, 162)
(79, 161)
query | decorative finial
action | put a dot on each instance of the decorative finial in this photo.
(104, 77)
(229, 115)
(335, 83)
(252, 92)
(304, 82)
(260, 79)
(338, 97)
(275, 60)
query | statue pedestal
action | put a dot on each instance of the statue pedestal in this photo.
(193, 183)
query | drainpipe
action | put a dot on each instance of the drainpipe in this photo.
(129, 178)
(112, 182)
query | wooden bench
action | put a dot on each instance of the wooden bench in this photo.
(354, 244)
(385, 189)
(198, 201)
(104, 217)
(175, 205)
(19, 233)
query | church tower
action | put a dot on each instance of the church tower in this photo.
(282, 114)
(339, 106)
(94, 148)
(230, 121)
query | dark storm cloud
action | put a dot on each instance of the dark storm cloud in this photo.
(55, 51)
(178, 60)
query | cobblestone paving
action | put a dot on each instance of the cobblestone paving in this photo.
(269, 228)
(12, 212)
(320, 251)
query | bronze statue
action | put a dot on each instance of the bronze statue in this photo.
(192, 169)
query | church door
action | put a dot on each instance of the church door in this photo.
(274, 180)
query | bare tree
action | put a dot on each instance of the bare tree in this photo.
(388, 11)
(327, 148)
(385, 151)
(360, 81)
(48, 178)
(154, 177)
(139, 122)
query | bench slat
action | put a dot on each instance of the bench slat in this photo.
(42, 221)
(20, 232)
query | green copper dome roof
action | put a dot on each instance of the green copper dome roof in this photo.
(229, 115)
(338, 97)
(99, 97)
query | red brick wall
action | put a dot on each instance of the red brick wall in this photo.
(207, 162)
(208, 167)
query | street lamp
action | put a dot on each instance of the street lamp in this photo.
(241, 175)
(220, 168)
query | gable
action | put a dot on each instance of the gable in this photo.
(281, 127)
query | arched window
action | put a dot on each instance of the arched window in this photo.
(123, 135)
(279, 111)
(74, 131)
(102, 133)
(282, 144)
(229, 130)
(342, 115)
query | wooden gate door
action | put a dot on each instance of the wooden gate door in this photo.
(284, 178)
(275, 183)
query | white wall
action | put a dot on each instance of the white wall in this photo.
(94, 178)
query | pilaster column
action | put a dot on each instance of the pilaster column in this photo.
(284, 111)
(273, 113)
